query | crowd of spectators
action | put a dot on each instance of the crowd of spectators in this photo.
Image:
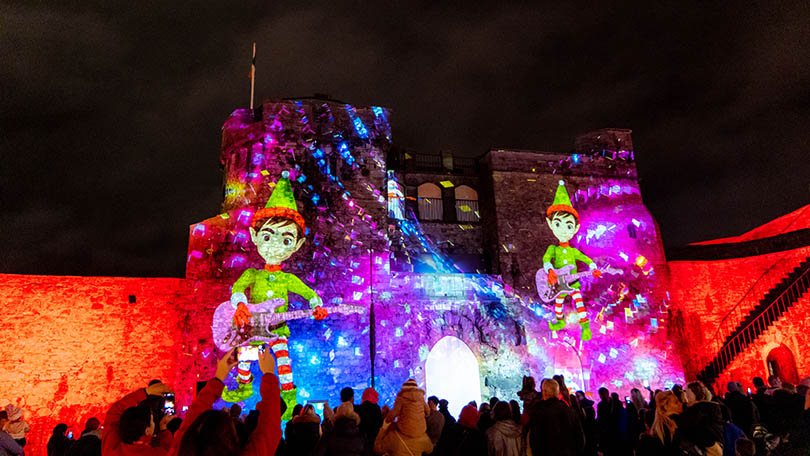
(773, 419)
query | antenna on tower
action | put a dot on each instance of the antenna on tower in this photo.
(252, 75)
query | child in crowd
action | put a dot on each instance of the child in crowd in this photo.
(16, 426)
(410, 410)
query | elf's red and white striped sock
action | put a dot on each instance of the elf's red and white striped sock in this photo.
(558, 307)
(285, 375)
(243, 373)
(581, 313)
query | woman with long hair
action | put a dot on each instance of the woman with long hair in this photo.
(667, 408)
(207, 432)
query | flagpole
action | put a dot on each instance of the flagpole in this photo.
(252, 75)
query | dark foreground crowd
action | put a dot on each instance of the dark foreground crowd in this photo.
(773, 420)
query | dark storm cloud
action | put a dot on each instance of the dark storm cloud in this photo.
(112, 113)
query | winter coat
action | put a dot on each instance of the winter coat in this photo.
(111, 443)
(88, 445)
(743, 411)
(411, 412)
(344, 439)
(264, 440)
(731, 433)
(9, 447)
(702, 424)
(459, 440)
(370, 419)
(505, 438)
(435, 424)
(16, 426)
(554, 428)
(303, 433)
(393, 443)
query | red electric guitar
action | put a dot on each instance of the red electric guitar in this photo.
(565, 278)
(264, 320)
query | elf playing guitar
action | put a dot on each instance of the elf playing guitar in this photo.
(563, 220)
(278, 231)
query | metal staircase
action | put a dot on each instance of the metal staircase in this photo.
(771, 307)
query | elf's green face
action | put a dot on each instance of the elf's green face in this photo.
(277, 241)
(563, 225)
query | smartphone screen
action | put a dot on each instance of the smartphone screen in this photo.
(168, 403)
(249, 353)
(70, 434)
(627, 399)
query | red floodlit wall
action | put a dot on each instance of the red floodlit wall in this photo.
(791, 331)
(706, 291)
(73, 345)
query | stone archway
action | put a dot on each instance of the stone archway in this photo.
(451, 372)
(781, 363)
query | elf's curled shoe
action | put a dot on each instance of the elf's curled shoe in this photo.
(556, 326)
(241, 393)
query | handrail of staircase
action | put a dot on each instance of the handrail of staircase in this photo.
(716, 347)
(775, 302)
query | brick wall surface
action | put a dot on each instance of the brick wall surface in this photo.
(73, 345)
(704, 292)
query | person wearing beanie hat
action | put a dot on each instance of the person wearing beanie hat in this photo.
(410, 410)
(370, 414)
(563, 220)
(16, 426)
(278, 231)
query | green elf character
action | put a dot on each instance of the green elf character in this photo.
(563, 220)
(278, 231)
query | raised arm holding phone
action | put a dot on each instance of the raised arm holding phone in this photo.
(211, 432)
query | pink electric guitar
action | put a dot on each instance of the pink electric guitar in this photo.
(265, 319)
(565, 278)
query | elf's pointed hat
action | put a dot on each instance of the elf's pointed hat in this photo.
(282, 203)
(562, 203)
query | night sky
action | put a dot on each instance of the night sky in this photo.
(110, 115)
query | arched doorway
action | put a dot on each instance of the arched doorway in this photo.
(451, 372)
(781, 363)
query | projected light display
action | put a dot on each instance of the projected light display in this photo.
(596, 248)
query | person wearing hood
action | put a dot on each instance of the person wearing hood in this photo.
(504, 438)
(463, 437)
(702, 419)
(554, 427)
(303, 432)
(344, 439)
(59, 443)
(410, 410)
(16, 426)
(370, 414)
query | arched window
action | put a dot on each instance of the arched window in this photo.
(396, 200)
(430, 202)
(466, 204)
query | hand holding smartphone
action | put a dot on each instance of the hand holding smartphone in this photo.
(168, 404)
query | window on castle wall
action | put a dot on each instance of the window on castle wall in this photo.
(466, 204)
(396, 200)
(631, 231)
(430, 202)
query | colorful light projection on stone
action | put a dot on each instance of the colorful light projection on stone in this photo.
(342, 184)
